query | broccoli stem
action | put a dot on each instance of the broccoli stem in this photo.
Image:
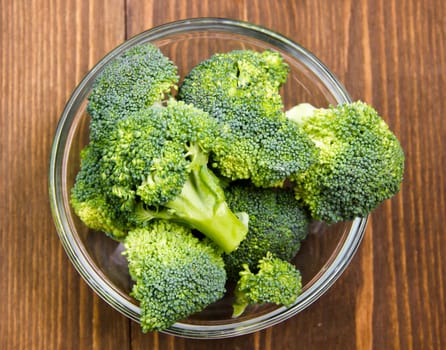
(240, 304)
(202, 205)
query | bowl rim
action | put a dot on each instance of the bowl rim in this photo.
(78, 255)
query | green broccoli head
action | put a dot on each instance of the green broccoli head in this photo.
(277, 224)
(277, 282)
(361, 162)
(153, 164)
(240, 89)
(134, 80)
(147, 155)
(91, 201)
(175, 273)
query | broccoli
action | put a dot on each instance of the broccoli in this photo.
(153, 164)
(137, 79)
(360, 162)
(140, 77)
(277, 281)
(225, 160)
(277, 224)
(175, 273)
(240, 89)
(90, 199)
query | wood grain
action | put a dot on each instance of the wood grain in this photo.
(390, 53)
(46, 48)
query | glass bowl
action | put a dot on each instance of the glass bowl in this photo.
(324, 254)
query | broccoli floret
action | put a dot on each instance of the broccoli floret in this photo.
(90, 199)
(138, 78)
(175, 273)
(277, 224)
(277, 281)
(240, 89)
(153, 164)
(360, 162)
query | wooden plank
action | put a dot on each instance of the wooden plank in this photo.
(46, 48)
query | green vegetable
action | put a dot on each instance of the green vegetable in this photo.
(153, 164)
(91, 201)
(240, 89)
(360, 163)
(145, 177)
(175, 274)
(277, 281)
(137, 79)
(277, 224)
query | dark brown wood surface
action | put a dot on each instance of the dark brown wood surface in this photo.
(390, 53)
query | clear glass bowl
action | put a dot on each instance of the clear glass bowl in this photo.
(324, 255)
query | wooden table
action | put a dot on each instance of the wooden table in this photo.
(390, 53)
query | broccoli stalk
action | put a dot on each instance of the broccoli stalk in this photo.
(201, 204)
(277, 281)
